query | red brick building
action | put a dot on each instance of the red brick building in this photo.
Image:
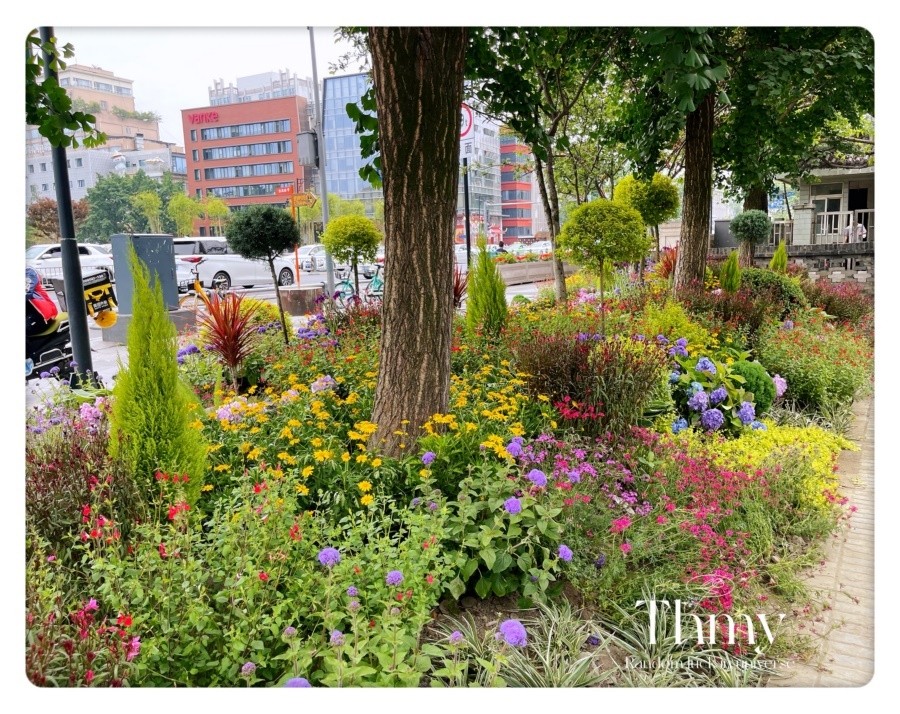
(245, 153)
(515, 188)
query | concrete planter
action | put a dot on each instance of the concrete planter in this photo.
(302, 300)
(519, 273)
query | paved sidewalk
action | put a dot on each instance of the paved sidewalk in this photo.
(845, 630)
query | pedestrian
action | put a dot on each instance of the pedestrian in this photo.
(861, 233)
(500, 248)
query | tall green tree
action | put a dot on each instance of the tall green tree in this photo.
(215, 209)
(417, 74)
(656, 200)
(150, 205)
(183, 210)
(264, 232)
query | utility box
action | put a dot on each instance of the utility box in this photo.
(158, 255)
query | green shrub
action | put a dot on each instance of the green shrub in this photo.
(671, 321)
(845, 301)
(751, 226)
(153, 410)
(778, 264)
(757, 381)
(730, 275)
(785, 291)
(486, 307)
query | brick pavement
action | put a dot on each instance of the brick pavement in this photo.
(844, 631)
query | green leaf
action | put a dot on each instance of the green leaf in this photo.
(483, 587)
(504, 560)
(488, 555)
(456, 587)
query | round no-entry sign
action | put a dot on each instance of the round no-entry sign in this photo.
(465, 127)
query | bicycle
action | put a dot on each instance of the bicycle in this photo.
(200, 294)
(344, 290)
(374, 292)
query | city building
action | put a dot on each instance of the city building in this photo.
(523, 210)
(132, 142)
(481, 148)
(245, 153)
(343, 154)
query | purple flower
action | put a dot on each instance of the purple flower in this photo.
(415, 502)
(322, 383)
(720, 394)
(456, 637)
(289, 632)
(680, 348)
(512, 505)
(600, 562)
(712, 419)
(297, 681)
(537, 477)
(352, 591)
(593, 640)
(337, 638)
(353, 606)
(674, 376)
(513, 633)
(787, 325)
(514, 448)
(573, 476)
(395, 611)
(432, 506)
(746, 413)
(564, 552)
(780, 385)
(758, 425)
(395, 577)
(248, 669)
(698, 402)
(428, 457)
(329, 557)
(704, 364)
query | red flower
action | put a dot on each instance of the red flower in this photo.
(263, 575)
(357, 570)
(162, 551)
(89, 676)
(123, 620)
(295, 532)
(173, 511)
(258, 487)
(429, 578)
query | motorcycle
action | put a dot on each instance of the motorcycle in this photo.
(48, 344)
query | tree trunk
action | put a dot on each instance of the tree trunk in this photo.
(550, 199)
(656, 235)
(284, 327)
(418, 77)
(694, 243)
(746, 251)
(756, 199)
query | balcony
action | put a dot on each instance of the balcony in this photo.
(830, 226)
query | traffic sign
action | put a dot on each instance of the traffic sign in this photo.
(307, 199)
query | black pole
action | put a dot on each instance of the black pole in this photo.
(466, 194)
(71, 263)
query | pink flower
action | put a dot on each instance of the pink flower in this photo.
(661, 520)
(51, 558)
(620, 524)
(263, 575)
(670, 506)
(625, 548)
(92, 605)
(89, 676)
(134, 648)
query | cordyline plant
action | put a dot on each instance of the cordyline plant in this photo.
(229, 331)
(460, 283)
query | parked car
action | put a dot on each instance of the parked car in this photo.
(46, 259)
(220, 263)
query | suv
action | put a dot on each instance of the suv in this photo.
(217, 262)
(46, 259)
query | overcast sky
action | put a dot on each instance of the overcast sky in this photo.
(174, 67)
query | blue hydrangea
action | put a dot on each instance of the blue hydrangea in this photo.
(699, 401)
(679, 425)
(673, 377)
(696, 387)
(718, 395)
(746, 413)
(661, 339)
(712, 419)
(679, 349)
(705, 364)
(758, 425)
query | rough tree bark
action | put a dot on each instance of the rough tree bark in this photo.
(694, 243)
(418, 77)
(756, 199)
(550, 199)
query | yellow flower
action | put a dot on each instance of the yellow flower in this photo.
(317, 442)
(345, 457)
(196, 424)
(245, 447)
(254, 430)
(376, 463)
(367, 500)
(287, 458)
(366, 427)
(364, 486)
(254, 453)
(221, 467)
(361, 458)
(322, 455)
(286, 433)
(206, 487)
(425, 473)
(307, 471)
(301, 489)
(543, 398)
(252, 390)
(294, 422)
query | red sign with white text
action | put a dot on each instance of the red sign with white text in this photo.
(203, 117)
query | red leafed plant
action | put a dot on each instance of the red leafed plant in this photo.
(667, 262)
(229, 332)
(460, 283)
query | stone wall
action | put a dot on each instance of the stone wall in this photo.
(839, 262)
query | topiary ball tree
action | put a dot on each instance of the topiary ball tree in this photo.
(352, 239)
(264, 233)
(602, 231)
(656, 200)
(750, 227)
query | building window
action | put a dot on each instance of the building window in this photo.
(198, 194)
(128, 130)
(43, 167)
(195, 155)
(31, 168)
(44, 187)
(64, 82)
(78, 163)
(193, 135)
(68, 163)
(80, 183)
(104, 105)
(196, 174)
